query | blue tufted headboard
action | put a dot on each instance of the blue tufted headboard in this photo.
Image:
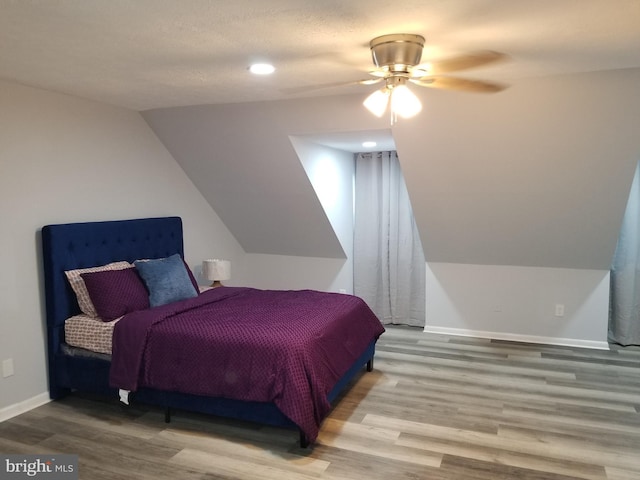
(81, 245)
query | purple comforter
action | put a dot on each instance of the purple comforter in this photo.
(286, 347)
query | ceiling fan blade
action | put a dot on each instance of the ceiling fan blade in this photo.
(379, 73)
(454, 83)
(462, 62)
(370, 81)
(421, 70)
(311, 88)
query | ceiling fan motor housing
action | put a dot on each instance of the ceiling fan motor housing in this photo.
(398, 51)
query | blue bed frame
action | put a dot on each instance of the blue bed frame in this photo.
(82, 245)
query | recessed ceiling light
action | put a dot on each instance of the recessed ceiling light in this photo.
(262, 68)
(369, 144)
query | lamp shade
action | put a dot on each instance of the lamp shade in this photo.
(216, 270)
(404, 102)
(377, 102)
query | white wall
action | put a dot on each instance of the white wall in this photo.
(518, 303)
(284, 272)
(65, 159)
(331, 174)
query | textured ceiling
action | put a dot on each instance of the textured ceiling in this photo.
(147, 54)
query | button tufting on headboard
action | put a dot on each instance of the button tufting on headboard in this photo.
(81, 245)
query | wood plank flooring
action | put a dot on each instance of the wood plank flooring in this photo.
(435, 407)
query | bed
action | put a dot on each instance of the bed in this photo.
(155, 380)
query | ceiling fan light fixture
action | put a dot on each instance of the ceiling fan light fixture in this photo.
(377, 102)
(397, 59)
(404, 102)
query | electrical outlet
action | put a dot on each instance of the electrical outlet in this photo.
(559, 310)
(7, 367)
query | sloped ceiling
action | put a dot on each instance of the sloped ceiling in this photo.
(537, 175)
(241, 159)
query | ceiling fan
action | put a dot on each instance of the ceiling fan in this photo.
(397, 60)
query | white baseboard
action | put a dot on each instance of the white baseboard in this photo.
(565, 342)
(17, 408)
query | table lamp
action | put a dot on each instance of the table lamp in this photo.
(216, 270)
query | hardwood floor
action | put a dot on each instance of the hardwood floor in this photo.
(435, 407)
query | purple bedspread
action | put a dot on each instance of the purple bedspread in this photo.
(286, 347)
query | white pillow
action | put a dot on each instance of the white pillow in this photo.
(77, 283)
